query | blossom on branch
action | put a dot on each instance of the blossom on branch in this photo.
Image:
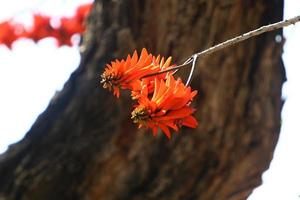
(126, 74)
(168, 107)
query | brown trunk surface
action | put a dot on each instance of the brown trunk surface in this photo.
(84, 146)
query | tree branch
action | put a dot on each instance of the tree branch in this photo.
(231, 42)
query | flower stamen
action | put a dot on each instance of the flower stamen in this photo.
(140, 115)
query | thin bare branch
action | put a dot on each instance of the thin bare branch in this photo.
(248, 35)
(192, 70)
(188, 61)
(230, 42)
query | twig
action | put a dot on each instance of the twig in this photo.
(248, 35)
(188, 61)
(192, 70)
(230, 42)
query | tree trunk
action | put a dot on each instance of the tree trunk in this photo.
(84, 146)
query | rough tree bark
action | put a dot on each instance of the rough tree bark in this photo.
(84, 146)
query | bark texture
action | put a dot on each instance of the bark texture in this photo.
(84, 146)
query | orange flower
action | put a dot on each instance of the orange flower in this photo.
(148, 82)
(125, 74)
(169, 107)
(68, 27)
(7, 33)
(41, 28)
(82, 12)
(72, 25)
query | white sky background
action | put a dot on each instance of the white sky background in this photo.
(31, 73)
(282, 180)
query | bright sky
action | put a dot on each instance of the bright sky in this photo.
(31, 73)
(282, 180)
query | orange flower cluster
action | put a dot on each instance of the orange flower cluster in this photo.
(126, 74)
(8, 33)
(162, 101)
(42, 28)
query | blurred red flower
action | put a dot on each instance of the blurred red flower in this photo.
(42, 28)
(82, 12)
(7, 33)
